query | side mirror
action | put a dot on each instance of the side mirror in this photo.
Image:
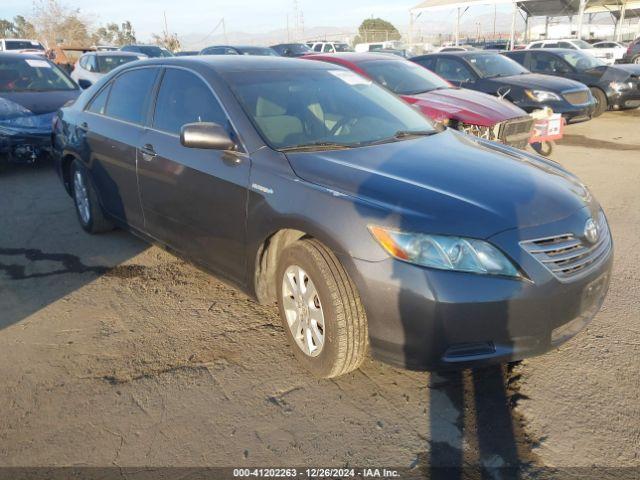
(84, 84)
(206, 135)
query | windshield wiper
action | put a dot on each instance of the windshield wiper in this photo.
(402, 135)
(316, 146)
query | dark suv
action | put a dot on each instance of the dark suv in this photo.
(633, 52)
(312, 187)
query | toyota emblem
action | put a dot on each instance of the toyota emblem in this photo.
(591, 231)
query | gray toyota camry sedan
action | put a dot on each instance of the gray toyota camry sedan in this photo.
(304, 184)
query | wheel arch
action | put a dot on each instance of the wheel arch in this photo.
(66, 160)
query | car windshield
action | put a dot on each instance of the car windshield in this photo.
(32, 75)
(259, 51)
(581, 44)
(403, 78)
(153, 51)
(295, 108)
(342, 47)
(23, 45)
(495, 65)
(296, 48)
(106, 63)
(581, 61)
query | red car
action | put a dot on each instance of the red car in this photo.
(472, 112)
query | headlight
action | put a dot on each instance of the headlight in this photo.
(619, 86)
(541, 95)
(444, 252)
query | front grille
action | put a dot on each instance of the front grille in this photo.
(516, 132)
(577, 98)
(569, 257)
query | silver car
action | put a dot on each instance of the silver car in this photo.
(92, 66)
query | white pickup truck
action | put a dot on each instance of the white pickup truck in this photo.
(21, 45)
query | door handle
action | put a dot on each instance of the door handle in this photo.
(148, 152)
(84, 126)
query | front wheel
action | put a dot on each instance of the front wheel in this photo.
(90, 214)
(321, 310)
(601, 101)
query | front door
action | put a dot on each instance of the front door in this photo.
(113, 126)
(194, 200)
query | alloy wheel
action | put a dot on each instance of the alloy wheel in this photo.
(303, 310)
(81, 197)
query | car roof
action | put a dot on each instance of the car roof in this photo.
(111, 53)
(356, 57)
(19, 55)
(552, 50)
(236, 46)
(231, 63)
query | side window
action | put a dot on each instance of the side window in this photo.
(83, 61)
(517, 55)
(547, 63)
(550, 45)
(453, 70)
(92, 63)
(317, 47)
(328, 48)
(99, 101)
(129, 99)
(230, 51)
(566, 45)
(184, 98)
(536, 45)
(429, 63)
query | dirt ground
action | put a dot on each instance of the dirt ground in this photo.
(114, 353)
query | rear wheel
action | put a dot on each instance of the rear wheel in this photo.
(636, 60)
(601, 101)
(90, 214)
(321, 310)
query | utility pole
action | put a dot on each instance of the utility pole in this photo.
(166, 28)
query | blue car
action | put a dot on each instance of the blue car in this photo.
(32, 89)
(310, 187)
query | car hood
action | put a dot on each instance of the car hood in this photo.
(466, 106)
(31, 112)
(448, 183)
(539, 81)
(630, 68)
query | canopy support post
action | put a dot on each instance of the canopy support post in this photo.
(583, 5)
(620, 25)
(512, 41)
(457, 32)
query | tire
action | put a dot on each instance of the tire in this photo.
(601, 101)
(636, 60)
(344, 333)
(543, 148)
(93, 220)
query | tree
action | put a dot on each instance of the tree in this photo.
(167, 40)
(19, 28)
(24, 28)
(56, 23)
(114, 34)
(376, 30)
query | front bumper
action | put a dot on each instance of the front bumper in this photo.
(426, 319)
(625, 99)
(571, 113)
(24, 147)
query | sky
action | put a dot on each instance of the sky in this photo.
(192, 17)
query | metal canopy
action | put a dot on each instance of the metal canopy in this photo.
(620, 9)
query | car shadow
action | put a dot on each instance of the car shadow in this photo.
(44, 253)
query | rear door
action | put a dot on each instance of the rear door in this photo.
(194, 200)
(114, 124)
